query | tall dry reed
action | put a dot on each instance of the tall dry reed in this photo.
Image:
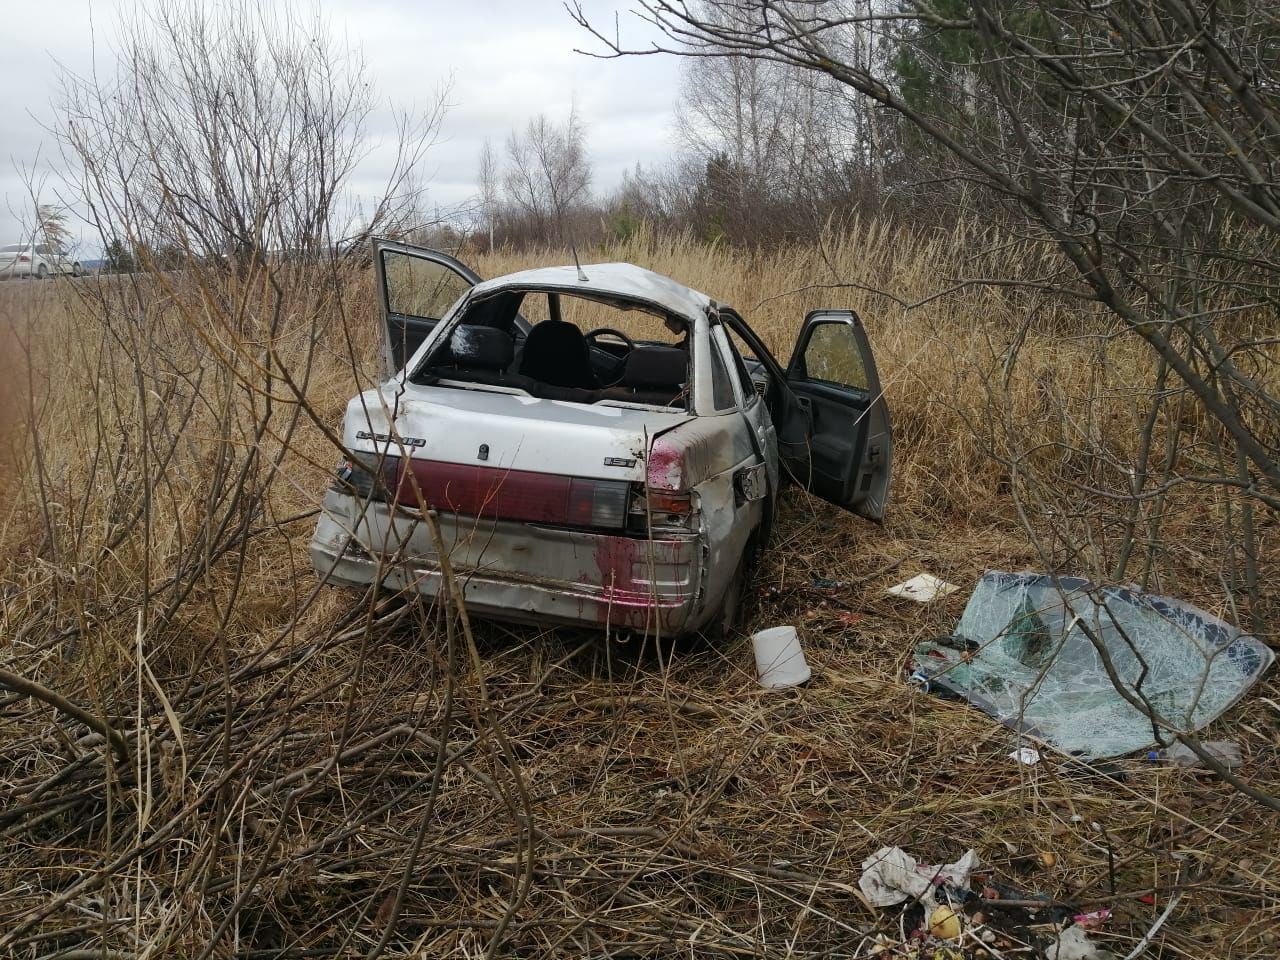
(309, 772)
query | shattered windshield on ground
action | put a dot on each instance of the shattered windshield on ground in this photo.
(1039, 653)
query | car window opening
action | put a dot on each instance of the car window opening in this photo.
(566, 347)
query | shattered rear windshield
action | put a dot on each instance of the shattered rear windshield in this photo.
(1082, 667)
(566, 347)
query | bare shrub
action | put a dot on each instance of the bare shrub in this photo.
(1133, 141)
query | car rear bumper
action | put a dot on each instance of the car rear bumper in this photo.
(12, 270)
(520, 572)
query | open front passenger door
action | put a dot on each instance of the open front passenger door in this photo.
(848, 456)
(416, 287)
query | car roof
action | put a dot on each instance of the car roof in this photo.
(621, 280)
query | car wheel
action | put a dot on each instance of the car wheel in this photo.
(42, 272)
(729, 614)
(75, 269)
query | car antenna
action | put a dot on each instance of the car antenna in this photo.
(582, 277)
(566, 231)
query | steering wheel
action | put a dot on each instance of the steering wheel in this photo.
(618, 363)
(601, 331)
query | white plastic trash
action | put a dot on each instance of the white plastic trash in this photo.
(1028, 756)
(923, 588)
(779, 660)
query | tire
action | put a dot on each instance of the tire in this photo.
(728, 618)
(42, 272)
(75, 269)
(726, 622)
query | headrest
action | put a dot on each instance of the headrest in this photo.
(556, 333)
(649, 367)
(485, 348)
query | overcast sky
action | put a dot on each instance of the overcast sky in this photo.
(508, 59)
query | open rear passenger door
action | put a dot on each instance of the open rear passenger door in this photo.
(846, 454)
(416, 287)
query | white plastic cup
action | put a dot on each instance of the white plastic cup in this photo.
(779, 660)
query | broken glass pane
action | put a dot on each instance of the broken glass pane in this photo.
(1062, 660)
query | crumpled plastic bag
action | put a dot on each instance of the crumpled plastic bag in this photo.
(891, 875)
(1074, 944)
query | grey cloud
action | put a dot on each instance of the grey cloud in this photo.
(508, 60)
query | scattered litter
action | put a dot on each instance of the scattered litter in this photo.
(1093, 919)
(1224, 751)
(1073, 943)
(891, 875)
(923, 588)
(944, 917)
(1028, 756)
(780, 661)
(1023, 653)
(919, 679)
(824, 583)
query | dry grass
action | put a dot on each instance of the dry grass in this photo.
(672, 808)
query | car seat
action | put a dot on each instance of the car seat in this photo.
(557, 354)
(654, 375)
(480, 354)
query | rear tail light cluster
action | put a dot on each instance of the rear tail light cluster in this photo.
(660, 511)
(488, 491)
(361, 476)
(657, 506)
(664, 504)
(598, 503)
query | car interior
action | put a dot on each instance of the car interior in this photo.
(566, 347)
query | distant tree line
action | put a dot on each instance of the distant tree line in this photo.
(767, 149)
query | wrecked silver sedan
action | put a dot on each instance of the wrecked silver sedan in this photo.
(601, 445)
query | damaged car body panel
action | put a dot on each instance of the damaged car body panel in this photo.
(592, 443)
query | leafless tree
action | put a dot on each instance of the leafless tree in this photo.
(548, 172)
(1137, 141)
(232, 132)
(786, 132)
(489, 175)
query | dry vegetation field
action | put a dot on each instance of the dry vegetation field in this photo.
(312, 773)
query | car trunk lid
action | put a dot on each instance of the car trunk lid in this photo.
(505, 433)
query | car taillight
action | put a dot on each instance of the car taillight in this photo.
(23, 258)
(664, 504)
(597, 503)
(362, 475)
(659, 511)
(669, 503)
